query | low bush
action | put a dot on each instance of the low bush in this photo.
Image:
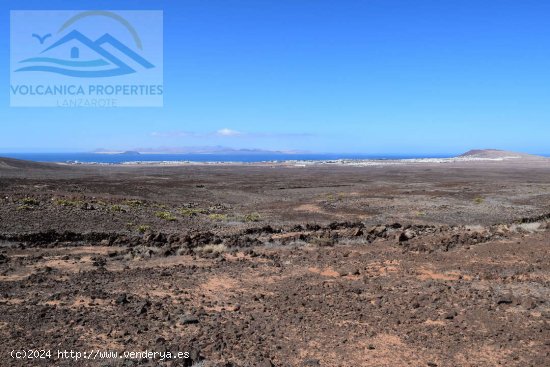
(191, 212)
(68, 202)
(134, 203)
(252, 217)
(30, 201)
(218, 217)
(143, 228)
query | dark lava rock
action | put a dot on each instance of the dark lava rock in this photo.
(99, 261)
(87, 206)
(122, 299)
(450, 315)
(143, 307)
(160, 237)
(311, 363)
(194, 358)
(406, 235)
(504, 299)
(348, 271)
(188, 320)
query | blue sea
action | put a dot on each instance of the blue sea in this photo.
(218, 157)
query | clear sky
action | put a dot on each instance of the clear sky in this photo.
(362, 76)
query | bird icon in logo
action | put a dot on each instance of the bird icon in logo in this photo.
(43, 38)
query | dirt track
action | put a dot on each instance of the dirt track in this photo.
(420, 265)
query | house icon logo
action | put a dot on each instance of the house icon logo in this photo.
(92, 58)
(76, 55)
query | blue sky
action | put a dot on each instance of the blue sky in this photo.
(363, 76)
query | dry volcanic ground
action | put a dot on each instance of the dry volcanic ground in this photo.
(417, 264)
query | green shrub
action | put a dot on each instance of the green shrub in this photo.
(30, 201)
(191, 212)
(218, 217)
(143, 228)
(252, 217)
(134, 203)
(117, 208)
(479, 200)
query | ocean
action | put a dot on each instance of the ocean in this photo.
(227, 157)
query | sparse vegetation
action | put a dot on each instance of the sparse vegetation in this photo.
(25, 207)
(68, 202)
(331, 197)
(117, 209)
(143, 228)
(252, 217)
(134, 203)
(218, 217)
(30, 201)
(166, 216)
(479, 200)
(191, 212)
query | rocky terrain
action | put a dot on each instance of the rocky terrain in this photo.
(274, 265)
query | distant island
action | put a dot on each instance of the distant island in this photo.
(197, 150)
(110, 151)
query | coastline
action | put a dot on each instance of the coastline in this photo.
(305, 163)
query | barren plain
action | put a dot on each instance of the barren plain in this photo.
(277, 265)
